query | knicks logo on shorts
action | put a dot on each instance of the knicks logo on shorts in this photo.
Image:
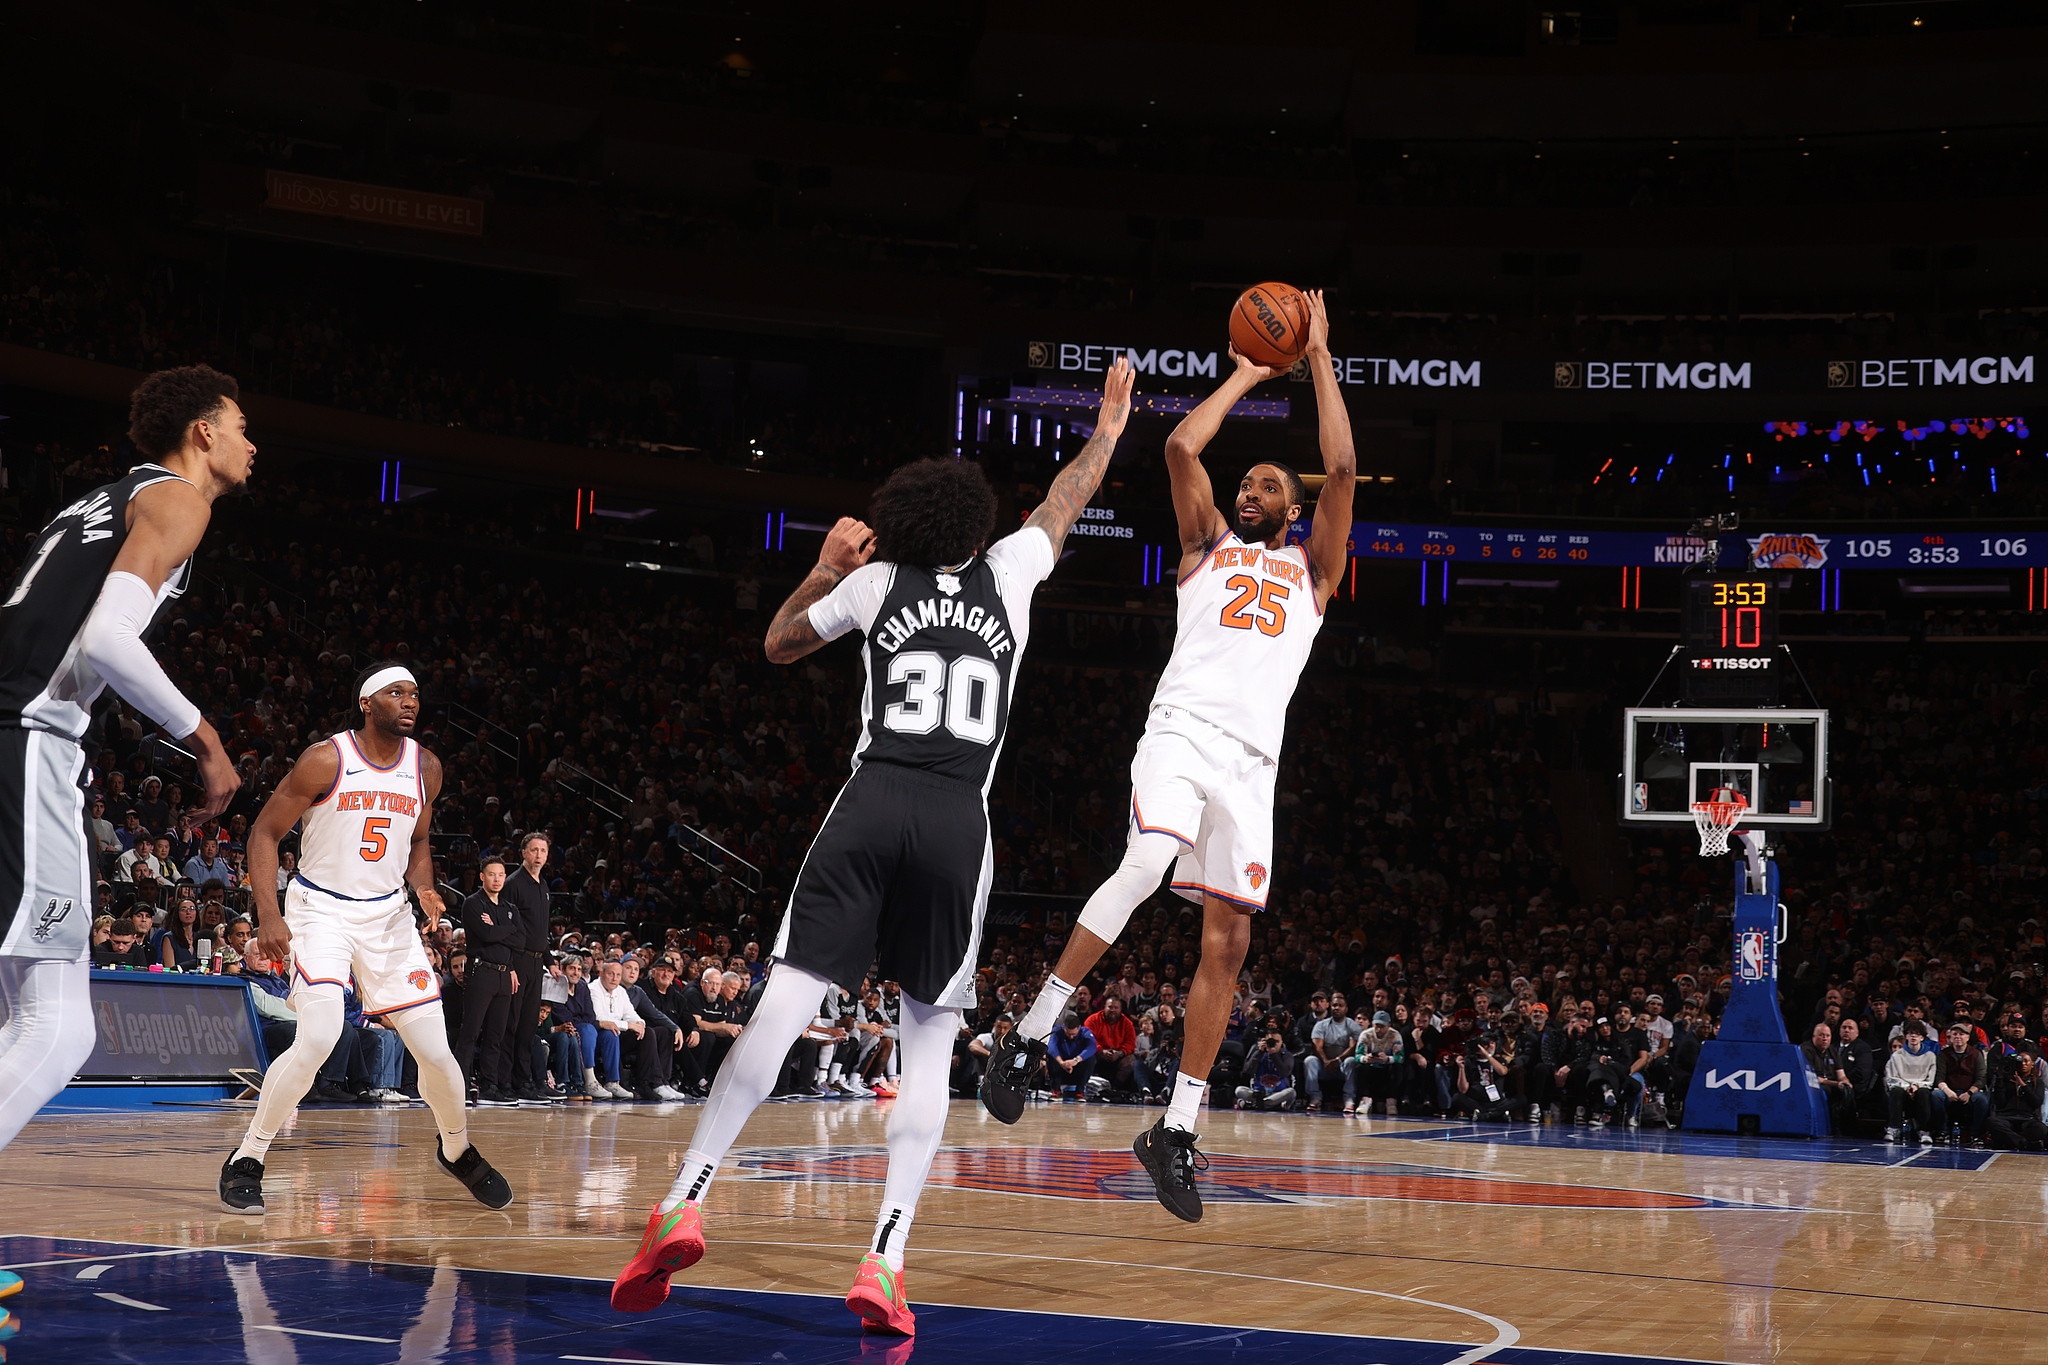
(418, 979)
(1255, 873)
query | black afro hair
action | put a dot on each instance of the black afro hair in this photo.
(169, 401)
(932, 513)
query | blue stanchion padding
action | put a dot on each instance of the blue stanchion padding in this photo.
(1752, 1069)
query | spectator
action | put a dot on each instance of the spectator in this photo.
(1269, 1074)
(104, 841)
(234, 946)
(1909, 1078)
(1070, 1056)
(578, 1014)
(1962, 1097)
(1377, 1064)
(1332, 1041)
(659, 1042)
(716, 1031)
(208, 865)
(1824, 1061)
(123, 947)
(615, 1017)
(176, 945)
(270, 991)
(1116, 1045)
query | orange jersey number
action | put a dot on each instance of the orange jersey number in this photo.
(1270, 613)
(374, 842)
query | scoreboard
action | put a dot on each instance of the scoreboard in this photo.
(1729, 625)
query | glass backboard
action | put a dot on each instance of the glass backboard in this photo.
(1673, 756)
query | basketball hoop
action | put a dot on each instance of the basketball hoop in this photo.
(1717, 819)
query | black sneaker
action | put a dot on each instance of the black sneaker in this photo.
(481, 1178)
(1009, 1067)
(241, 1185)
(534, 1094)
(1169, 1157)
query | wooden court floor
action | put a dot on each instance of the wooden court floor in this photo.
(1634, 1245)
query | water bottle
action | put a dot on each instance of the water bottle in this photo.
(1955, 1135)
(205, 955)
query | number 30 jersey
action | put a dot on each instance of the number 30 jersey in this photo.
(941, 653)
(355, 841)
(1246, 620)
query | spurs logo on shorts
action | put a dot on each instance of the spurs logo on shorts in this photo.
(53, 915)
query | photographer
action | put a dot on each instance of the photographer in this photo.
(1480, 1094)
(2017, 1088)
(1269, 1075)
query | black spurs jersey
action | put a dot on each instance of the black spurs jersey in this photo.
(942, 652)
(45, 682)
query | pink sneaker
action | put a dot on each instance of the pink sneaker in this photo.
(877, 1295)
(672, 1242)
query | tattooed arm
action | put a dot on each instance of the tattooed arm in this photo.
(848, 545)
(1077, 483)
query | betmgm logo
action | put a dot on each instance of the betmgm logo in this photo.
(54, 914)
(1746, 1080)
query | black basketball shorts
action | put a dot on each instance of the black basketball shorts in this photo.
(46, 866)
(897, 880)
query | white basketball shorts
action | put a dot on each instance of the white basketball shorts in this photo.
(334, 937)
(1214, 793)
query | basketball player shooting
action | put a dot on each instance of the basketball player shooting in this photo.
(1202, 779)
(364, 802)
(898, 876)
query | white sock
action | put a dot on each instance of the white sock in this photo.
(691, 1181)
(1186, 1102)
(892, 1230)
(1045, 1011)
(424, 1031)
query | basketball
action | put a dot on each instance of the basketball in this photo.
(1269, 325)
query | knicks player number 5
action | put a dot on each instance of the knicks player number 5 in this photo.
(374, 841)
(963, 696)
(1270, 616)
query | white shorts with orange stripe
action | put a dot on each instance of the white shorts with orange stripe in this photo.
(334, 938)
(1214, 793)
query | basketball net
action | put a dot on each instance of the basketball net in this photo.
(1717, 818)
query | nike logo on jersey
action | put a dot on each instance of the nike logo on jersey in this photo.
(943, 612)
(351, 772)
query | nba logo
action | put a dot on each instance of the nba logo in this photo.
(1749, 964)
(1641, 800)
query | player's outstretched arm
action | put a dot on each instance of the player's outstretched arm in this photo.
(848, 545)
(419, 867)
(1329, 542)
(1194, 500)
(310, 779)
(1076, 484)
(167, 521)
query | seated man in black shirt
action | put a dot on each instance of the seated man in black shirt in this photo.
(659, 1042)
(705, 1004)
(122, 948)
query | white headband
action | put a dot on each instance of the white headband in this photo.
(384, 677)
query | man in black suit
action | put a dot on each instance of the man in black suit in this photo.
(526, 895)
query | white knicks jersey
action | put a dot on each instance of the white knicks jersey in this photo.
(356, 841)
(1246, 621)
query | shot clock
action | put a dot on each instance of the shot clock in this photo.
(1730, 624)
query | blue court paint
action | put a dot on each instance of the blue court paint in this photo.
(1663, 1142)
(282, 1310)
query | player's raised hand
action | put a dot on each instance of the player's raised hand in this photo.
(1252, 370)
(1318, 323)
(848, 545)
(1116, 395)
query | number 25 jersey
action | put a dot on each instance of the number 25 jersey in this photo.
(1246, 620)
(356, 841)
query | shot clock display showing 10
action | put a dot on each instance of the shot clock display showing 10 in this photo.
(1730, 625)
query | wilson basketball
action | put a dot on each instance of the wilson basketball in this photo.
(1269, 324)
